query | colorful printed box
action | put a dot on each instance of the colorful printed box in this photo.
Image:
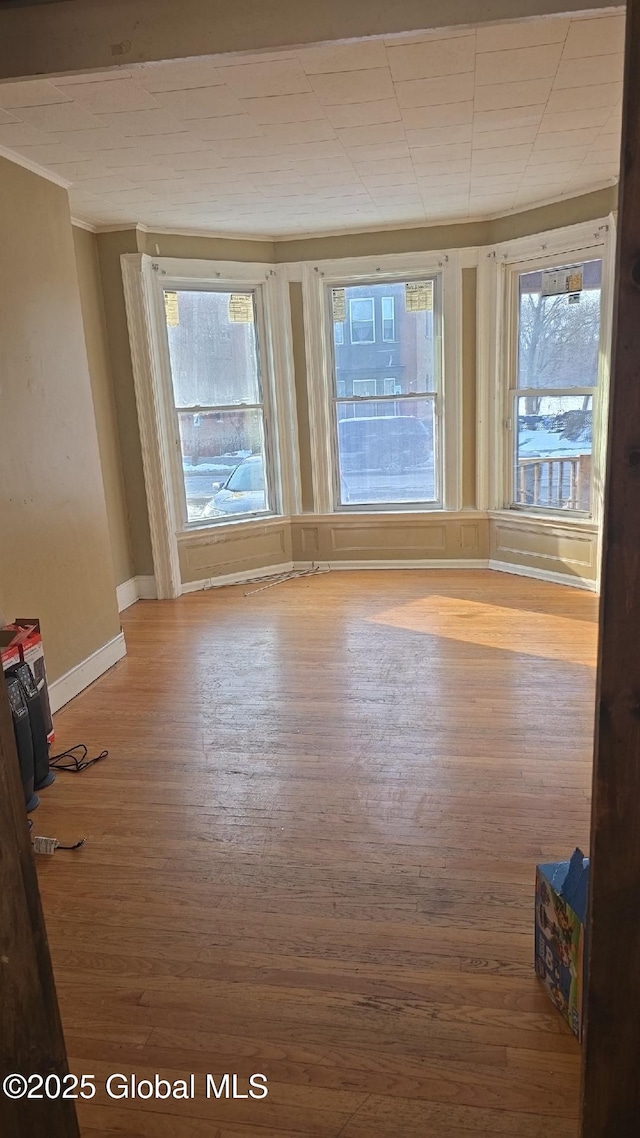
(562, 889)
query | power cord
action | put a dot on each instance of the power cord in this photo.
(75, 764)
(44, 845)
(74, 760)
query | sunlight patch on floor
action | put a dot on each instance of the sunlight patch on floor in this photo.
(511, 630)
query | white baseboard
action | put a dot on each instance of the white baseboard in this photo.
(135, 589)
(144, 588)
(545, 575)
(426, 563)
(292, 566)
(127, 594)
(147, 588)
(239, 578)
(77, 679)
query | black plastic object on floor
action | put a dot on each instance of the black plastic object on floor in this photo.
(24, 744)
(43, 776)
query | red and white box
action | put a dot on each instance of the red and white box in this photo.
(21, 642)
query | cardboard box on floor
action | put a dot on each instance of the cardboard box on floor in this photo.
(562, 889)
(21, 642)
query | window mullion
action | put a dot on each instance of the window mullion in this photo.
(411, 397)
(551, 392)
(211, 409)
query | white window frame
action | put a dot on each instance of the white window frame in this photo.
(360, 392)
(513, 393)
(497, 328)
(170, 284)
(317, 279)
(392, 338)
(145, 279)
(360, 300)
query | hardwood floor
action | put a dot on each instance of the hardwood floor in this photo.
(311, 855)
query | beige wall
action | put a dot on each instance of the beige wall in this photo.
(110, 248)
(89, 34)
(463, 235)
(406, 537)
(55, 556)
(545, 545)
(238, 548)
(95, 332)
(205, 248)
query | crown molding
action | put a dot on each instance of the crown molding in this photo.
(34, 167)
(217, 236)
(540, 203)
(119, 227)
(169, 230)
(80, 223)
(308, 235)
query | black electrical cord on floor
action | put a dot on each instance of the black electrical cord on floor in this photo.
(74, 763)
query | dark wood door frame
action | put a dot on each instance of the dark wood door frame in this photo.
(611, 1061)
(31, 1039)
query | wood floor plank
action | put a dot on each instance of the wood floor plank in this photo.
(311, 853)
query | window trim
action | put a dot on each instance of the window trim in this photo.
(320, 276)
(266, 406)
(144, 281)
(593, 240)
(513, 393)
(358, 300)
(435, 397)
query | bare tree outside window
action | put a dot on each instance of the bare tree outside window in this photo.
(557, 375)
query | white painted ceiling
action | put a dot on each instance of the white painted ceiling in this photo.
(403, 131)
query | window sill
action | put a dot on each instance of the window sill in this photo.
(224, 524)
(384, 509)
(545, 521)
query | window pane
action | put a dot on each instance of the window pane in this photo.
(559, 335)
(212, 348)
(385, 457)
(388, 318)
(362, 320)
(553, 453)
(222, 462)
(410, 360)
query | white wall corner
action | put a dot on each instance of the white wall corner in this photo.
(78, 678)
